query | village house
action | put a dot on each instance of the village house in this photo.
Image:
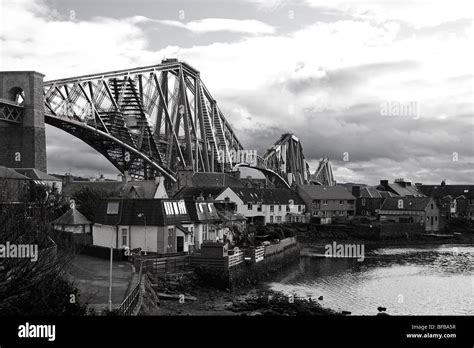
(73, 228)
(226, 209)
(205, 223)
(327, 203)
(453, 200)
(400, 187)
(126, 187)
(369, 200)
(153, 225)
(40, 178)
(265, 205)
(14, 187)
(421, 210)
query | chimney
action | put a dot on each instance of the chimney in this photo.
(384, 183)
(200, 197)
(408, 183)
(157, 180)
(356, 191)
(418, 184)
(125, 177)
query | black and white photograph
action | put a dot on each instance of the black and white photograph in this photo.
(207, 172)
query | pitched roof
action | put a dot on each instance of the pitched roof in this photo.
(143, 189)
(112, 187)
(153, 209)
(191, 193)
(199, 211)
(72, 217)
(8, 173)
(409, 203)
(36, 174)
(267, 195)
(440, 191)
(215, 179)
(326, 192)
(402, 189)
(372, 192)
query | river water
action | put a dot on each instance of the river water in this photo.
(430, 280)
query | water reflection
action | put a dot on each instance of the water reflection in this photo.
(430, 280)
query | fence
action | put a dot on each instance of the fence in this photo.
(155, 266)
(235, 259)
(278, 248)
(130, 303)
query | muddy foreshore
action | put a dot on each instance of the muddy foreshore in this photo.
(185, 294)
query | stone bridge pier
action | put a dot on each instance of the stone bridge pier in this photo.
(22, 125)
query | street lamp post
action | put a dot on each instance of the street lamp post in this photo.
(141, 215)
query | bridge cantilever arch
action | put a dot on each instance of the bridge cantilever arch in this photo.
(146, 121)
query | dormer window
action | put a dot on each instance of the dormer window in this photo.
(112, 208)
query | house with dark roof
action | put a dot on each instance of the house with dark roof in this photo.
(369, 200)
(188, 178)
(73, 221)
(14, 187)
(125, 188)
(41, 178)
(422, 210)
(327, 202)
(453, 200)
(153, 225)
(205, 223)
(400, 187)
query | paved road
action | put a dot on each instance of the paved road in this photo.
(91, 276)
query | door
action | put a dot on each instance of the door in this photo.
(179, 244)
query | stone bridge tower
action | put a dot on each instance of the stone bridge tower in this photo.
(22, 126)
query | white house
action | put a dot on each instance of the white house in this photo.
(153, 225)
(266, 205)
(205, 222)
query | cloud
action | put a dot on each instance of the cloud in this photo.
(417, 13)
(326, 82)
(208, 25)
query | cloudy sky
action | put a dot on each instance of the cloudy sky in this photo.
(382, 88)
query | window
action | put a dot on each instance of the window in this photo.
(432, 206)
(259, 208)
(112, 208)
(249, 206)
(175, 208)
(182, 207)
(204, 232)
(299, 208)
(171, 238)
(363, 202)
(209, 206)
(271, 219)
(124, 236)
(272, 208)
(287, 208)
(341, 202)
(200, 208)
(278, 219)
(436, 218)
(279, 208)
(325, 202)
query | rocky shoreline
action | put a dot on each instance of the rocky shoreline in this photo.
(185, 294)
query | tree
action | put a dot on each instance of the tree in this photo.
(29, 286)
(87, 200)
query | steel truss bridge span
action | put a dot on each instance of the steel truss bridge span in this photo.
(146, 121)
